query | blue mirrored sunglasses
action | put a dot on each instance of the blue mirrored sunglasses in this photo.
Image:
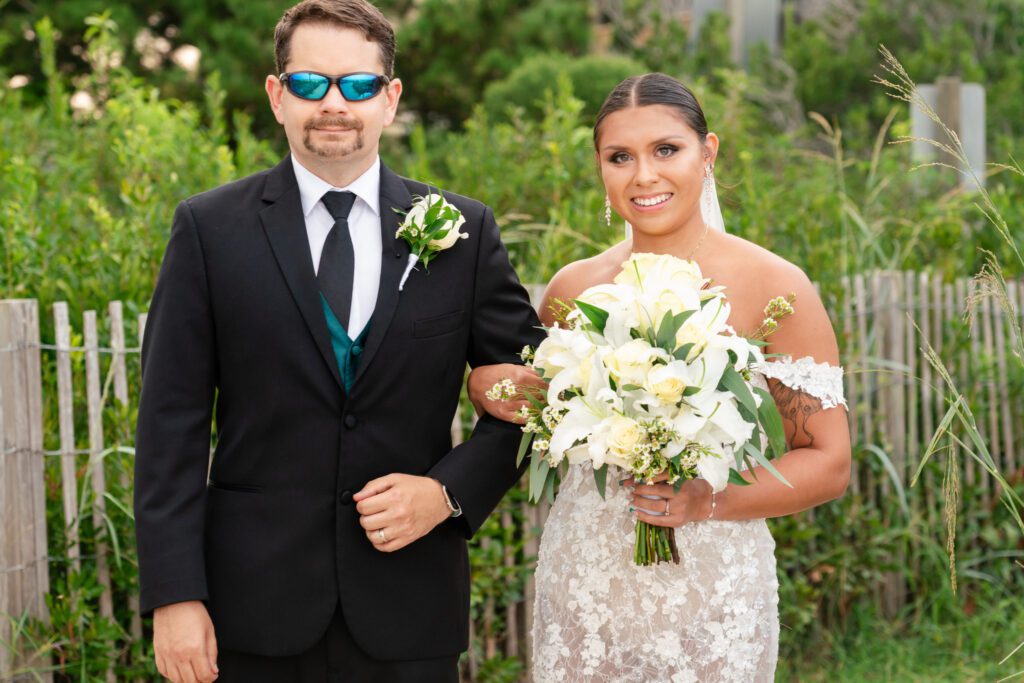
(310, 85)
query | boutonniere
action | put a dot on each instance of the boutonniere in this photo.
(429, 227)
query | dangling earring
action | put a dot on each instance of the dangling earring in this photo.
(608, 211)
(707, 195)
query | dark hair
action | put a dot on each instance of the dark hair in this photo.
(654, 88)
(357, 14)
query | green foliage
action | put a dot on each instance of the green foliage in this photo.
(836, 56)
(663, 42)
(591, 77)
(453, 49)
(86, 200)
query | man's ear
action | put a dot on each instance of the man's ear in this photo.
(393, 93)
(275, 91)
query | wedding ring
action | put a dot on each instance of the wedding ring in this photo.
(380, 534)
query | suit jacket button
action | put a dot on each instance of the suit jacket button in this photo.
(345, 497)
(351, 421)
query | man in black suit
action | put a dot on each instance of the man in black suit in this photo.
(326, 541)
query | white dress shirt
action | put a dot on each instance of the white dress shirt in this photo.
(363, 226)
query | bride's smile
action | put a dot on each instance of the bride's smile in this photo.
(653, 165)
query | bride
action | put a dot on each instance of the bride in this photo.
(713, 616)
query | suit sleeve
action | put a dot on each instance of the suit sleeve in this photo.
(173, 430)
(480, 471)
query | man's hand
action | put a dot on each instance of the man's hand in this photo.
(400, 508)
(184, 643)
(486, 376)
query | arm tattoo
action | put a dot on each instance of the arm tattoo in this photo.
(796, 408)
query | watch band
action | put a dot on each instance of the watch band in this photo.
(453, 504)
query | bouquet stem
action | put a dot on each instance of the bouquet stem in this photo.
(655, 544)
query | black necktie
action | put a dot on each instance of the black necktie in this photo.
(337, 260)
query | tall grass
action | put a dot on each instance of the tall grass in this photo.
(958, 431)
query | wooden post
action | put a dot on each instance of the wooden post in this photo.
(851, 379)
(966, 366)
(24, 563)
(867, 379)
(96, 466)
(66, 406)
(931, 332)
(988, 312)
(1003, 329)
(120, 370)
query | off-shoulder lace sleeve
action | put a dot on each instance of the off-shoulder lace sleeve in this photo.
(820, 380)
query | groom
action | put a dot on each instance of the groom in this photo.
(326, 540)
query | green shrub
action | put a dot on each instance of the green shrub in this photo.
(592, 78)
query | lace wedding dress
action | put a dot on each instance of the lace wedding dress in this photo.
(713, 617)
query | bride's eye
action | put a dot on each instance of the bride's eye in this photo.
(665, 150)
(618, 158)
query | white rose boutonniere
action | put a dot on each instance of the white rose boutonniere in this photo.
(429, 227)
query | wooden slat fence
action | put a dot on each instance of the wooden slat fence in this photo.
(83, 460)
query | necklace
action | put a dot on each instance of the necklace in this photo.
(700, 243)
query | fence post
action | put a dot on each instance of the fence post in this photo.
(24, 567)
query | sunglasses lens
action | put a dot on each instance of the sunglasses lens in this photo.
(360, 86)
(308, 86)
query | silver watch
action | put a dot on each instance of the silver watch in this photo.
(453, 505)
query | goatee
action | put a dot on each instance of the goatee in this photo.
(333, 150)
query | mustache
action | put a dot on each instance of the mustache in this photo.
(334, 122)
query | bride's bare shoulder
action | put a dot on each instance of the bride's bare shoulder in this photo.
(747, 264)
(577, 276)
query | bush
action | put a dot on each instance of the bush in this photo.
(454, 48)
(592, 78)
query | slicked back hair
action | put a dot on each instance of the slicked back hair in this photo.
(654, 88)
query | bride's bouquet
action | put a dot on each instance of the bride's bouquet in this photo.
(645, 375)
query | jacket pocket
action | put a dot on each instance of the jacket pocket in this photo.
(437, 325)
(236, 488)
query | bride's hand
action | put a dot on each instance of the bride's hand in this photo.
(692, 503)
(486, 376)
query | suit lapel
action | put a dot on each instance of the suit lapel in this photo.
(394, 256)
(285, 227)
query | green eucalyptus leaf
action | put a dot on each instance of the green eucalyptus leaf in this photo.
(597, 316)
(736, 478)
(733, 383)
(771, 422)
(601, 479)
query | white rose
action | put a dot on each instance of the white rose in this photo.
(667, 382)
(623, 434)
(630, 363)
(642, 269)
(450, 229)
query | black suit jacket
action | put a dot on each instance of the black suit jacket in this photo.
(270, 536)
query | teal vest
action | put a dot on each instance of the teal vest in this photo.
(346, 350)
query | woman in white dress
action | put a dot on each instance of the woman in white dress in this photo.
(713, 616)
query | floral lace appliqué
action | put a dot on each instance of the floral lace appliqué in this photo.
(820, 380)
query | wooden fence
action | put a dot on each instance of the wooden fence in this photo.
(896, 401)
